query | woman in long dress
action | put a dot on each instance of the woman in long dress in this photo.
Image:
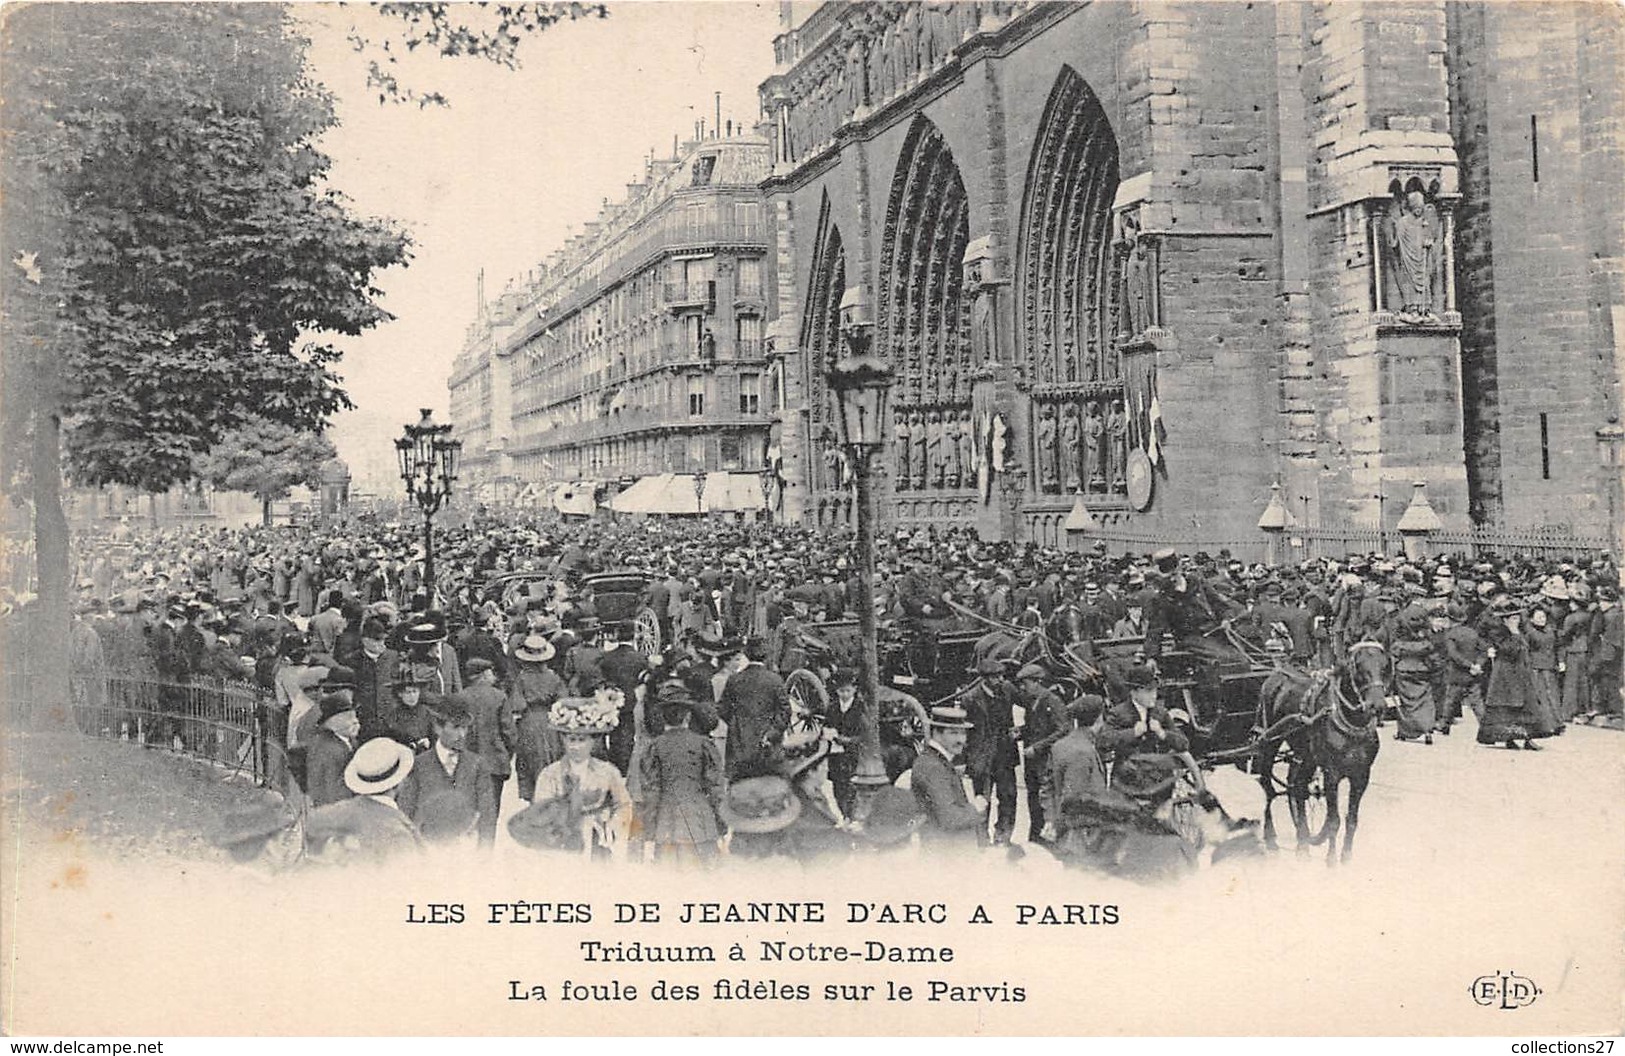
(1542, 639)
(1512, 710)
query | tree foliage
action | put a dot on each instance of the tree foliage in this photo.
(491, 31)
(177, 256)
(266, 460)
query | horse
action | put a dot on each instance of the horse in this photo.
(1327, 722)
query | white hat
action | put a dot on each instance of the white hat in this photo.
(377, 766)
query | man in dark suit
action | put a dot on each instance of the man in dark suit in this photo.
(330, 749)
(372, 664)
(756, 708)
(449, 763)
(951, 820)
(991, 752)
(496, 733)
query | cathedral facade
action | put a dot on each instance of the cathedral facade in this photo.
(1143, 266)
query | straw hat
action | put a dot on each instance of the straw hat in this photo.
(377, 766)
(535, 649)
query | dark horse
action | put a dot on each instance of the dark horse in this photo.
(1325, 724)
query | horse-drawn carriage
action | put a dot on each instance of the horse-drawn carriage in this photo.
(618, 599)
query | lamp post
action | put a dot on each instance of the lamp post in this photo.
(861, 382)
(428, 457)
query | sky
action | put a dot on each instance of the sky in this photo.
(519, 161)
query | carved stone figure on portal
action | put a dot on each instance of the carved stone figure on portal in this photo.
(952, 456)
(905, 453)
(1072, 448)
(1413, 247)
(967, 445)
(917, 440)
(933, 447)
(1117, 446)
(1134, 316)
(1048, 478)
(1095, 430)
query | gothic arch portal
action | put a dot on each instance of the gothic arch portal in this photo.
(922, 321)
(1065, 297)
(820, 342)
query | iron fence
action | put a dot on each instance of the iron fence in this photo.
(234, 726)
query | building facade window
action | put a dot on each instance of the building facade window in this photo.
(750, 394)
(750, 277)
(696, 397)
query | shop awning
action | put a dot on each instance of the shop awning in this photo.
(733, 493)
(665, 493)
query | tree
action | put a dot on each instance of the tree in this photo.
(266, 459)
(490, 31)
(173, 253)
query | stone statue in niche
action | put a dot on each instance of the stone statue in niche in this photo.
(1048, 478)
(967, 450)
(905, 454)
(1413, 250)
(934, 445)
(911, 47)
(981, 328)
(857, 77)
(1135, 299)
(1117, 447)
(1095, 429)
(1071, 447)
(917, 439)
(952, 460)
(1071, 360)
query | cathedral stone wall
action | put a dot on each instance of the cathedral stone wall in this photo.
(1157, 257)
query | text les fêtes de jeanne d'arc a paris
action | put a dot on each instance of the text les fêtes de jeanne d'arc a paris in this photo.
(868, 947)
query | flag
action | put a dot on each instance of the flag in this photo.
(1158, 437)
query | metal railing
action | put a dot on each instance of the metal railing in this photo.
(231, 725)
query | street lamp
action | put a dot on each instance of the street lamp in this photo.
(861, 383)
(428, 458)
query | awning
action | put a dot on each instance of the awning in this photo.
(733, 493)
(577, 499)
(662, 493)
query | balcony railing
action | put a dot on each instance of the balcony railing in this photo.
(691, 294)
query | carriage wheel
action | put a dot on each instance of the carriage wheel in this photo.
(1185, 814)
(1310, 811)
(808, 698)
(646, 632)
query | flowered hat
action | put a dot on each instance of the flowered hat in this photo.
(583, 715)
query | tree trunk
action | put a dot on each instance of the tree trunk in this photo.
(265, 513)
(48, 658)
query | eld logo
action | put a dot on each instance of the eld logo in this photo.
(1504, 990)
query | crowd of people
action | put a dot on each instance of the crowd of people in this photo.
(397, 710)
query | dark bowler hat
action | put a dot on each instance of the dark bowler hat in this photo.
(339, 678)
(451, 711)
(1139, 676)
(1086, 708)
(335, 704)
(1166, 559)
(244, 830)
